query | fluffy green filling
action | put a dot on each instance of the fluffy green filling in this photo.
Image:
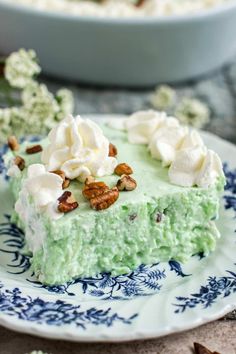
(156, 222)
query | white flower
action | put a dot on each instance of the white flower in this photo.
(40, 108)
(21, 67)
(163, 97)
(11, 120)
(192, 112)
(65, 101)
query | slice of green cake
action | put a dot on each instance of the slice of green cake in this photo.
(157, 221)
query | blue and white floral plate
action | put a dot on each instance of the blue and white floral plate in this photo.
(152, 301)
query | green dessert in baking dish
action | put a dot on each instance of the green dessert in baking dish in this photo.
(146, 204)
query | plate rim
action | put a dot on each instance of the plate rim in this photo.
(71, 334)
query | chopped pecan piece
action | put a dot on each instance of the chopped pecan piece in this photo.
(60, 173)
(139, 3)
(112, 150)
(34, 149)
(126, 183)
(67, 202)
(94, 189)
(20, 162)
(200, 349)
(13, 143)
(123, 169)
(66, 181)
(105, 200)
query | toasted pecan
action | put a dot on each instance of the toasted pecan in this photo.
(67, 202)
(105, 200)
(94, 189)
(13, 143)
(66, 181)
(33, 149)
(112, 150)
(123, 169)
(126, 183)
(20, 162)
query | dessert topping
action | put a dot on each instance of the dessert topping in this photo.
(191, 163)
(195, 166)
(123, 169)
(126, 183)
(79, 148)
(94, 189)
(13, 143)
(141, 125)
(67, 202)
(34, 149)
(19, 162)
(105, 200)
(89, 179)
(112, 150)
(66, 181)
(45, 188)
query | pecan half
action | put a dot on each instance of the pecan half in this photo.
(94, 189)
(105, 200)
(200, 349)
(126, 183)
(20, 162)
(13, 143)
(34, 149)
(123, 169)
(112, 150)
(67, 202)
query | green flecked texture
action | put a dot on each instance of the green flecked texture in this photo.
(156, 222)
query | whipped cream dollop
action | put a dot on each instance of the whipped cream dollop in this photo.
(44, 188)
(141, 125)
(79, 148)
(195, 166)
(166, 140)
(178, 147)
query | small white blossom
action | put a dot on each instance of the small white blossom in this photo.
(192, 112)
(40, 108)
(163, 97)
(10, 120)
(21, 67)
(65, 101)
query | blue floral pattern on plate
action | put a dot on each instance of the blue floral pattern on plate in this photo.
(208, 294)
(145, 280)
(57, 313)
(168, 283)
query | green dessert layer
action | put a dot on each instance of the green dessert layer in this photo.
(158, 221)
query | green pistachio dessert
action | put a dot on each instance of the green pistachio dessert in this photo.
(136, 211)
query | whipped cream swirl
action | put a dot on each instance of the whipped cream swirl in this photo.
(183, 150)
(79, 148)
(195, 166)
(44, 188)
